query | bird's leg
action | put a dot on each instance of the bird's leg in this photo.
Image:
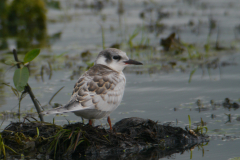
(109, 122)
(90, 122)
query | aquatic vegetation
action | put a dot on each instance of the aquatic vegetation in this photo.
(191, 74)
(229, 118)
(86, 56)
(199, 127)
(143, 44)
(228, 104)
(21, 76)
(189, 121)
(171, 44)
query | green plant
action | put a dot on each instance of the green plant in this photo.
(191, 74)
(3, 147)
(131, 37)
(64, 135)
(190, 122)
(201, 127)
(21, 76)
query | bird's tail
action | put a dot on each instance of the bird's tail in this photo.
(60, 109)
(69, 107)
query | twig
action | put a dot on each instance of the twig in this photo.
(34, 118)
(25, 118)
(29, 90)
(55, 95)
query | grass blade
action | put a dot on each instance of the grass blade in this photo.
(191, 74)
(190, 122)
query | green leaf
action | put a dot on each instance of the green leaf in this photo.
(31, 55)
(20, 78)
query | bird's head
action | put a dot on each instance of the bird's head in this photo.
(115, 59)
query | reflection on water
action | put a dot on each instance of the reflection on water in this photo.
(25, 21)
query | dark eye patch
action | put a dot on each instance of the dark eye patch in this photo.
(117, 57)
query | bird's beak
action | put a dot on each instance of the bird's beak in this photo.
(130, 61)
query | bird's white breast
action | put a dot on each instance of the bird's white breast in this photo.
(100, 93)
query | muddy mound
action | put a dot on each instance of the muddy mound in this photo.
(130, 135)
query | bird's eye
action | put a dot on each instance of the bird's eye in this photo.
(117, 57)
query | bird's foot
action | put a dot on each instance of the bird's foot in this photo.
(109, 122)
(90, 122)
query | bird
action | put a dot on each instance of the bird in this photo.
(99, 91)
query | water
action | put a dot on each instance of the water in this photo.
(165, 95)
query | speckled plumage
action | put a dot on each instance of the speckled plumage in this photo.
(99, 91)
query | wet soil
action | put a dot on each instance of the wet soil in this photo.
(130, 137)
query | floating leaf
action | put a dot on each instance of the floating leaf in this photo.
(20, 78)
(31, 55)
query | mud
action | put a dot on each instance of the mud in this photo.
(141, 138)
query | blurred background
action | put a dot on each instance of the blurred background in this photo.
(190, 51)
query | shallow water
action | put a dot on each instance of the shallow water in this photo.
(164, 95)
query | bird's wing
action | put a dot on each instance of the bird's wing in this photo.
(111, 89)
(101, 90)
